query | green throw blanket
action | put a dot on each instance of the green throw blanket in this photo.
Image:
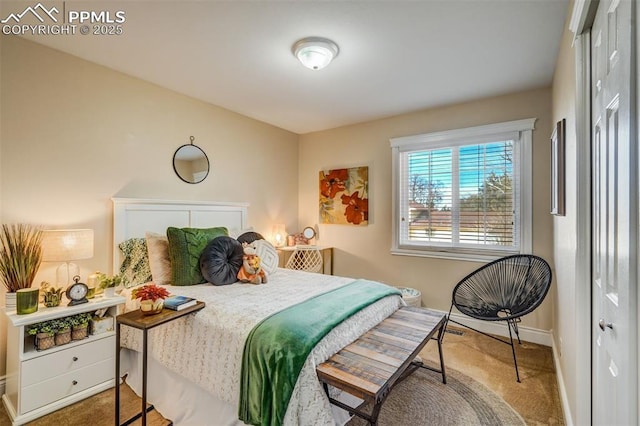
(277, 348)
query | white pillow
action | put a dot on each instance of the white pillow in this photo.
(236, 232)
(268, 256)
(159, 262)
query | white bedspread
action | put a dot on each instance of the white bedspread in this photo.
(206, 348)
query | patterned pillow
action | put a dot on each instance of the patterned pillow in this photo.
(159, 262)
(135, 265)
(268, 256)
(185, 247)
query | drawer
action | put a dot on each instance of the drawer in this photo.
(48, 391)
(58, 363)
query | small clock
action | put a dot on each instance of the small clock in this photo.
(77, 292)
(309, 233)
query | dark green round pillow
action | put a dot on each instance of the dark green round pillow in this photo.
(221, 260)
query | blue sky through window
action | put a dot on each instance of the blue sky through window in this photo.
(475, 164)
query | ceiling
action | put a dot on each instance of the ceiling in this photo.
(395, 56)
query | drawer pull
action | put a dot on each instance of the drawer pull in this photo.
(75, 382)
(75, 358)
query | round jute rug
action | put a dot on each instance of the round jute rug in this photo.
(422, 399)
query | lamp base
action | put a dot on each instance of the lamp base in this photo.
(65, 274)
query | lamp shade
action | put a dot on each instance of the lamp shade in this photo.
(315, 52)
(64, 245)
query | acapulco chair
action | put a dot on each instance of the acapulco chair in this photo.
(503, 290)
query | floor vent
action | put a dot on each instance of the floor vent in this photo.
(456, 332)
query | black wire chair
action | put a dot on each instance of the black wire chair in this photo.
(503, 290)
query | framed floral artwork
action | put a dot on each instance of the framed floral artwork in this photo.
(344, 196)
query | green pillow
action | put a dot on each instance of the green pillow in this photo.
(185, 247)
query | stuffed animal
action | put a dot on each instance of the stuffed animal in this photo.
(251, 270)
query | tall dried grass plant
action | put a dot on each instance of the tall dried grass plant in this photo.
(20, 255)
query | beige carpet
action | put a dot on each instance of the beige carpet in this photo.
(536, 398)
(488, 365)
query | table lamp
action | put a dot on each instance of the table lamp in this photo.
(279, 235)
(66, 245)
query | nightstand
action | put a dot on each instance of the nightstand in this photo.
(139, 320)
(327, 257)
(40, 382)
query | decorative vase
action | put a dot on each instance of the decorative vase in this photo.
(79, 332)
(51, 300)
(44, 341)
(109, 292)
(63, 337)
(151, 307)
(27, 300)
(10, 301)
(93, 281)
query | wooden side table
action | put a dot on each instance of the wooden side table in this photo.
(137, 319)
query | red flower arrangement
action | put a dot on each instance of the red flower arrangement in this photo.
(151, 298)
(149, 292)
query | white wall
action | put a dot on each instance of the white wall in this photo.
(565, 227)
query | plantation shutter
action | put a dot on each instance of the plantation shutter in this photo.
(461, 196)
(463, 193)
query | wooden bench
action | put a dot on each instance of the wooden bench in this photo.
(369, 367)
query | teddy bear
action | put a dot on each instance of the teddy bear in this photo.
(251, 270)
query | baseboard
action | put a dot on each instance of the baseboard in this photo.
(499, 328)
(566, 411)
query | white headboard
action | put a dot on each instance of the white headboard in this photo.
(132, 217)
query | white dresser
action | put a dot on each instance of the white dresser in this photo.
(40, 382)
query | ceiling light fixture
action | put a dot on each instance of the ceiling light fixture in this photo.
(315, 52)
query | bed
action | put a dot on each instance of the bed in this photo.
(195, 362)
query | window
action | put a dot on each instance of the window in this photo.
(463, 194)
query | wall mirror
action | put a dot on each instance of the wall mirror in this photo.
(191, 163)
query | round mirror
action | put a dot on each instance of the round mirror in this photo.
(191, 163)
(309, 232)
